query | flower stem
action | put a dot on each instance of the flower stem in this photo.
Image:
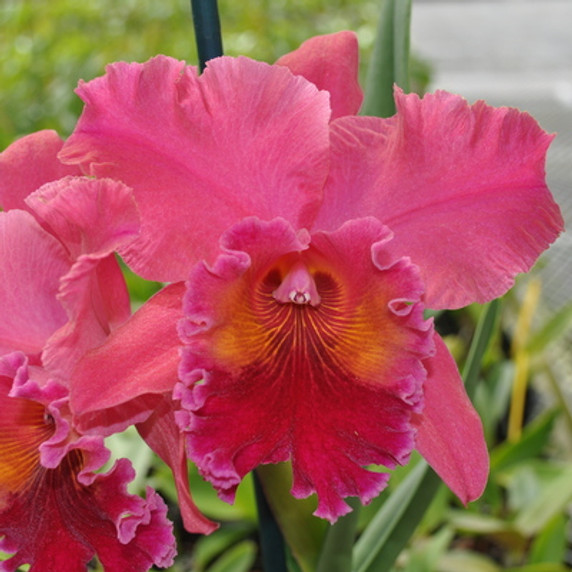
(271, 539)
(207, 30)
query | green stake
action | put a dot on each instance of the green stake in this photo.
(207, 30)
(271, 540)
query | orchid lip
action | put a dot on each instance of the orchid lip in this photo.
(305, 351)
(298, 287)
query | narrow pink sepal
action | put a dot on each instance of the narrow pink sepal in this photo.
(162, 434)
(450, 433)
(29, 163)
(461, 186)
(330, 62)
(31, 264)
(201, 152)
(122, 381)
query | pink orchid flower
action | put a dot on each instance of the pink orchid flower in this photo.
(303, 329)
(76, 297)
(62, 293)
(56, 513)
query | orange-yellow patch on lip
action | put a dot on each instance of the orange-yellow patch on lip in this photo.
(23, 427)
(350, 333)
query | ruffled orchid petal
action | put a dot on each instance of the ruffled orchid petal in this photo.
(29, 163)
(31, 264)
(461, 186)
(60, 517)
(59, 532)
(449, 431)
(330, 62)
(123, 380)
(331, 386)
(89, 216)
(92, 219)
(33, 384)
(243, 138)
(162, 434)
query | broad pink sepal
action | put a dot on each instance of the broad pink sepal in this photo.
(92, 219)
(32, 261)
(122, 381)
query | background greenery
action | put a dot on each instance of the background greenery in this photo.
(47, 47)
(522, 521)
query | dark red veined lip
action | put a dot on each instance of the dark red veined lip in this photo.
(326, 330)
(25, 424)
(304, 349)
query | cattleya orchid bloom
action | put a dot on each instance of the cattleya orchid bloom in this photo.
(310, 240)
(70, 308)
(62, 292)
(56, 512)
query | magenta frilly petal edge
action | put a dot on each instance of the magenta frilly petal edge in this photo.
(141, 528)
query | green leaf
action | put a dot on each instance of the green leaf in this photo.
(533, 440)
(425, 556)
(543, 567)
(467, 561)
(552, 500)
(559, 393)
(389, 63)
(481, 524)
(336, 553)
(391, 528)
(303, 532)
(550, 544)
(551, 331)
(140, 289)
(244, 507)
(239, 558)
(208, 548)
(481, 340)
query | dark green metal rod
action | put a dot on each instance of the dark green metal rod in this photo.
(207, 30)
(271, 539)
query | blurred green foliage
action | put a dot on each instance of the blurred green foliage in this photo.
(47, 47)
